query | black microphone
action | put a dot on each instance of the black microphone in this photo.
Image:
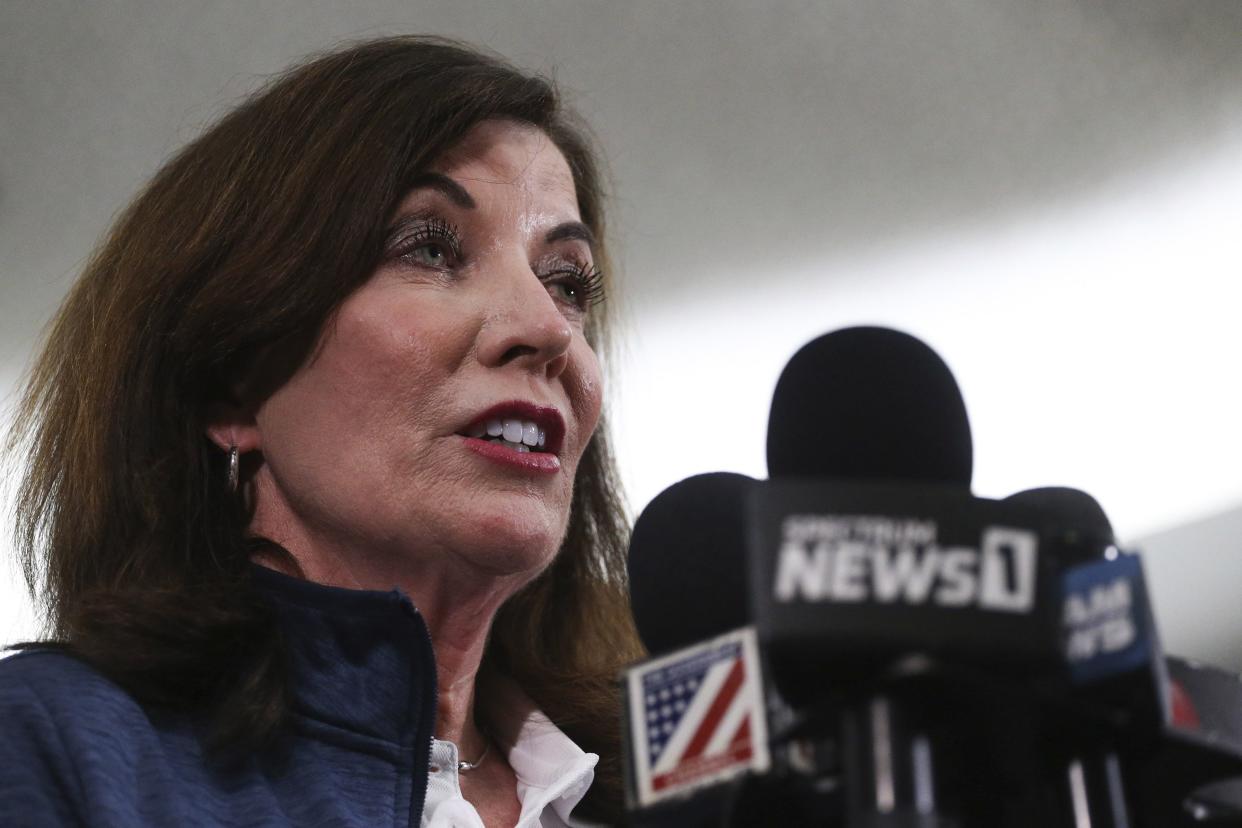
(1111, 643)
(688, 570)
(1116, 665)
(875, 406)
(869, 403)
(1075, 518)
(687, 562)
(869, 514)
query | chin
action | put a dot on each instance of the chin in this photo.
(512, 544)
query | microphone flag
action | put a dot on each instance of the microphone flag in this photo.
(1106, 629)
(696, 717)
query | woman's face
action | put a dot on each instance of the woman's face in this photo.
(379, 446)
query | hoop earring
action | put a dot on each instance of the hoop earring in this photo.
(234, 471)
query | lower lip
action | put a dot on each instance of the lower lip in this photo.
(533, 461)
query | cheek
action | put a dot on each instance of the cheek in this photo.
(355, 374)
(364, 376)
(586, 389)
(394, 347)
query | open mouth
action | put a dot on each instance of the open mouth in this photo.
(519, 435)
(520, 426)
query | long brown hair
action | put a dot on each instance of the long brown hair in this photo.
(244, 243)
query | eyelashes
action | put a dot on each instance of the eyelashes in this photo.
(425, 235)
(431, 242)
(582, 284)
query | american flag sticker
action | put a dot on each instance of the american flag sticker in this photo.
(697, 717)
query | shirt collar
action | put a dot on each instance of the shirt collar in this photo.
(552, 771)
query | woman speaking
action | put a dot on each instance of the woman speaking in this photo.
(318, 499)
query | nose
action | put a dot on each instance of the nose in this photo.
(526, 329)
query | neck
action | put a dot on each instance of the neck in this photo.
(459, 637)
(458, 612)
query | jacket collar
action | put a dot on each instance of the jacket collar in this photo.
(360, 660)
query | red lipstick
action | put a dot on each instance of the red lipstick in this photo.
(542, 458)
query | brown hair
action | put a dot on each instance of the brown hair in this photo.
(247, 241)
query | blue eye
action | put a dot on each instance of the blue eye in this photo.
(432, 254)
(432, 243)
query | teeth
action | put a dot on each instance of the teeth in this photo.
(519, 435)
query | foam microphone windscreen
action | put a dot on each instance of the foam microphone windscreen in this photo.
(687, 562)
(1074, 517)
(869, 403)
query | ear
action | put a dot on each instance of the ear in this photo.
(232, 424)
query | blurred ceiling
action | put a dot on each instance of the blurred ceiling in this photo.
(738, 132)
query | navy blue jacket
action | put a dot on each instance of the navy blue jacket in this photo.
(76, 749)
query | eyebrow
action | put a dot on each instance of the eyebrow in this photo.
(566, 231)
(571, 230)
(447, 186)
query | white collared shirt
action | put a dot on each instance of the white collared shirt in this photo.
(553, 773)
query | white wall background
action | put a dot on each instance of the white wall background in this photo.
(1049, 194)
